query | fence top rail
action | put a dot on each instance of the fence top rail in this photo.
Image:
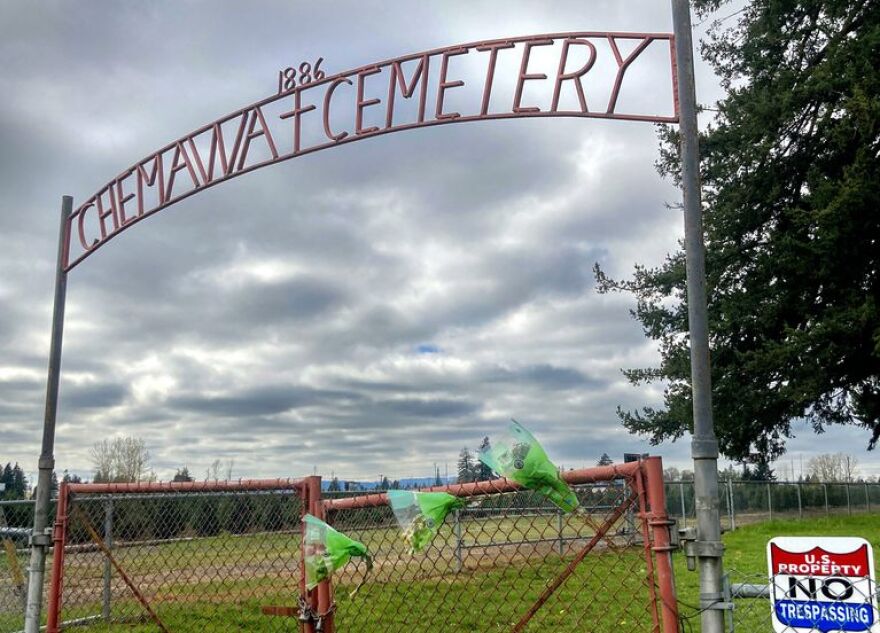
(779, 482)
(186, 486)
(493, 486)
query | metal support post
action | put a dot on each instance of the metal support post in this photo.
(661, 525)
(728, 597)
(458, 542)
(731, 505)
(108, 541)
(825, 488)
(769, 501)
(41, 537)
(559, 525)
(800, 504)
(321, 598)
(848, 504)
(704, 446)
(867, 498)
(681, 496)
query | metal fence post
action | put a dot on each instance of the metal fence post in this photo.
(867, 498)
(848, 505)
(769, 500)
(800, 504)
(681, 497)
(41, 537)
(320, 598)
(59, 538)
(728, 597)
(458, 544)
(731, 508)
(825, 488)
(559, 524)
(704, 442)
(661, 525)
(108, 541)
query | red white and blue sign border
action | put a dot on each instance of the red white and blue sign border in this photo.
(825, 584)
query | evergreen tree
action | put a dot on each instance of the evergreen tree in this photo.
(465, 466)
(182, 474)
(484, 473)
(791, 181)
(605, 460)
(69, 478)
(20, 484)
(6, 478)
(760, 472)
(334, 485)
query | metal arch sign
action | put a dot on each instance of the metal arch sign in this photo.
(254, 137)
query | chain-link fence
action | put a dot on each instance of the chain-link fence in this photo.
(16, 518)
(510, 561)
(744, 502)
(175, 557)
(226, 556)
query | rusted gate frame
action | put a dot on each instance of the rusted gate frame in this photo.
(62, 520)
(647, 475)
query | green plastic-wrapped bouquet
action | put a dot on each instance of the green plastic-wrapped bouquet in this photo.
(420, 514)
(326, 550)
(521, 458)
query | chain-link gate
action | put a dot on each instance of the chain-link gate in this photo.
(175, 557)
(510, 561)
(226, 556)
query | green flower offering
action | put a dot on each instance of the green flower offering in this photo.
(521, 458)
(420, 514)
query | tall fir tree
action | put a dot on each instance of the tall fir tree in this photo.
(483, 472)
(791, 183)
(465, 466)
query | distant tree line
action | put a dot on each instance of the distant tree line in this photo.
(14, 481)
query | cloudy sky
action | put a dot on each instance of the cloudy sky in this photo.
(367, 309)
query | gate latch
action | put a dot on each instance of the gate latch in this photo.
(688, 538)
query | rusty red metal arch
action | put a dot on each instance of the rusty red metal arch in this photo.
(148, 186)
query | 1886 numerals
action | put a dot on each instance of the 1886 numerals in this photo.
(291, 77)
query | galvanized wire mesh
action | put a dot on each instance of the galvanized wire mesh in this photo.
(15, 517)
(492, 560)
(199, 561)
(744, 502)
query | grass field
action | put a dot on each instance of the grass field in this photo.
(236, 575)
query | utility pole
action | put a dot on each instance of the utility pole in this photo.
(704, 445)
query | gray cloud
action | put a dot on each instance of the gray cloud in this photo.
(281, 319)
(94, 396)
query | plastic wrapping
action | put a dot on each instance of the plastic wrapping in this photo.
(420, 514)
(521, 458)
(326, 550)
